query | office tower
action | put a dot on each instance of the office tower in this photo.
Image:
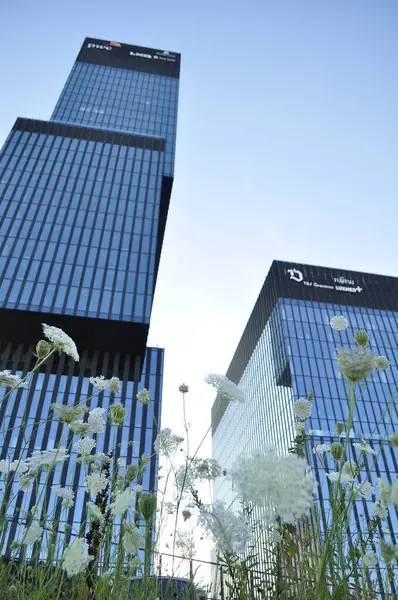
(83, 207)
(288, 349)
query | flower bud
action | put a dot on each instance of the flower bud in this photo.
(147, 505)
(183, 389)
(388, 551)
(336, 450)
(382, 362)
(340, 428)
(356, 364)
(361, 338)
(394, 439)
(117, 413)
(42, 349)
(15, 545)
(131, 472)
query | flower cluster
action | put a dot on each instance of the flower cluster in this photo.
(31, 535)
(85, 445)
(226, 388)
(19, 466)
(132, 539)
(117, 413)
(9, 380)
(282, 485)
(122, 502)
(144, 396)
(302, 408)
(339, 323)
(229, 530)
(206, 469)
(76, 557)
(46, 459)
(96, 483)
(112, 385)
(95, 420)
(166, 442)
(68, 414)
(61, 341)
(68, 496)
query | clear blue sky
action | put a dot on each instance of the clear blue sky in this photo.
(287, 147)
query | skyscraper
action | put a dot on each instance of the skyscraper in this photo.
(83, 207)
(288, 349)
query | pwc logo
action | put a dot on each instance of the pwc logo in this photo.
(104, 46)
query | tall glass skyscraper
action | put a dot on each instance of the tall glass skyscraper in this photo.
(83, 206)
(288, 349)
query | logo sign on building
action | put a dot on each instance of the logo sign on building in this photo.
(338, 284)
(124, 56)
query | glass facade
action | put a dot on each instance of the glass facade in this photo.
(63, 382)
(288, 349)
(79, 221)
(122, 99)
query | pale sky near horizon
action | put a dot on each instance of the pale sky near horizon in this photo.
(287, 148)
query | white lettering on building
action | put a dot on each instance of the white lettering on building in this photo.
(342, 284)
(99, 47)
(140, 54)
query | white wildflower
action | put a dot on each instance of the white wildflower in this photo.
(121, 462)
(96, 483)
(370, 559)
(226, 388)
(76, 557)
(302, 408)
(380, 510)
(321, 449)
(62, 341)
(166, 442)
(31, 535)
(46, 459)
(122, 502)
(342, 477)
(19, 466)
(229, 530)
(282, 484)
(132, 539)
(102, 384)
(68, 414)
(350, 469)
(9, 380)
(356, 363)
(95, 420)
(206, 469)
(94, 512)
(67, 495)
(393, 494)
(4, 466)
(364, 447)
(185, 477)
(382, 362)
(144, 396)
(25, 483)
(185, 544)
(78, 428)
(85, 445)
(339, 323)
(364, 489)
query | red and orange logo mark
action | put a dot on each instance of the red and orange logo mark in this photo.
(115, 44)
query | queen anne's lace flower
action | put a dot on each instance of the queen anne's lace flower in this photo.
(226, 388)
(46, 459)
(117, 413)
(96, 483)
(185, 544)
(206, 469)
(9, 380)
(342, 477)
(282, 485)
(350, 469)
(370, 559)
(76, 557)
(31, 535)
(102, 384)
(61, 341)
(364, 489)
(79, 428)
(302, 408)
(355, 363)
(166, 442)
(144, 396)
(321, 449)
(25, 483)
(132, 539)
(95, 420)
(382, 362)
(339, 323)
(364, 447)
(229, 530)
(19, 466)
(85, 445)
(68, 496)
(380, 510)
(122, 502)
(185, 477)
(68, 414)
(94, 512)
